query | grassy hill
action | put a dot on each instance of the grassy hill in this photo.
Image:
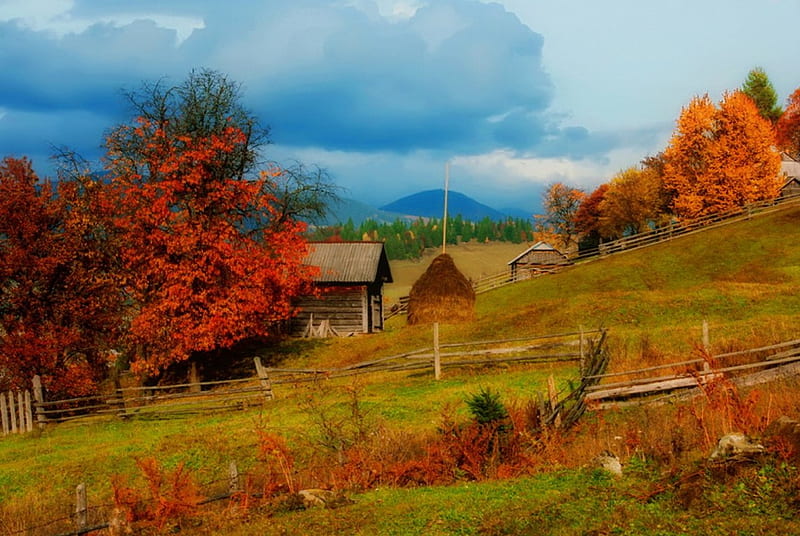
(744, 279)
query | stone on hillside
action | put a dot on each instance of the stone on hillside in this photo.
(608, 461)
(323, 497)
(787, 430)
(735, 446)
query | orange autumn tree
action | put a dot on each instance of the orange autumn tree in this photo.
(207, 261)
(721, 157)
(788, 127)
(557, 225)
(632, 201)
(60, 308)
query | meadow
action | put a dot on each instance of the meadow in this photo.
(742, 279)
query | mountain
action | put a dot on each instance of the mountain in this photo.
(430, 204)
(350, 209)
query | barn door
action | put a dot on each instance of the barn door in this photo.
(377, 313)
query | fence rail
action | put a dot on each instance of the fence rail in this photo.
(779, 360)
(563, 347)
(648, 238)
(19, 412)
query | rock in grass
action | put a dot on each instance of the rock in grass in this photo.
(608, 462)
(735, 446)
(787, 431)
(323, 497)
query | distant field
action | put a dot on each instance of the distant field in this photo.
(474, 259)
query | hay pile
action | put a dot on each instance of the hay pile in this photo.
(441, 294)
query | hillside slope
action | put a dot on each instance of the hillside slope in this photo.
(743, 278)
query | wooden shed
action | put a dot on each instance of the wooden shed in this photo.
(351, 279)
(539, 258)
(790, 188)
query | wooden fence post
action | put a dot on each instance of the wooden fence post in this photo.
(80, 507)
(437, 358)
(12, 412)
(28, 412)
(4, 414)
(194, 378)
(38, 397)
(21, 412)
(552, 394)
(706, 345)
(582, 352)
(233, 478)
(266, 385)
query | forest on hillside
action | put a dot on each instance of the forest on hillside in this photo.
(406, 239)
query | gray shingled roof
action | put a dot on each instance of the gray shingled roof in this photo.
(538, 246)
(349, 262)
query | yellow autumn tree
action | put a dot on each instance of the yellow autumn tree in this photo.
(633, 201)
(721, 157)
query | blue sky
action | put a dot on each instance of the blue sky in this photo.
(515, 94)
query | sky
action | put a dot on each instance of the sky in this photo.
(514, 94)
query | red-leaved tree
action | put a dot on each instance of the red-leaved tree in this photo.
(207, 260)
(59, 304)
(788, 126)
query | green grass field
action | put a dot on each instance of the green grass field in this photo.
(744, 279)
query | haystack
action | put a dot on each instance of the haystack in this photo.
(441, 294)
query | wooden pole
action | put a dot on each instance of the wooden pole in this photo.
(194, 378)
(552, 394)
(80, 506)
(444, 221)
(583, 352)
(266, 385)
(21, 411)
(233, 478)
(38, 397)
(437, 358)
(12, 412)
(4, 414)
(28, 412)
(706, 344)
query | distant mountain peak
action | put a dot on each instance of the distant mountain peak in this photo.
(430, 204)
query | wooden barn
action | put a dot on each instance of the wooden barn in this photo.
(790, 188)
(351, 279)
(790, 170)
(539, 258)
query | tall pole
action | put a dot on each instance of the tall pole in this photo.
(444, 221)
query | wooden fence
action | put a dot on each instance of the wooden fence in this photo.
(563, 347)
(16, 412)
(668, 232)
(749, 367)
(155, 401)
(162, 401)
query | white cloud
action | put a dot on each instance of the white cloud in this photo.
(55, 17)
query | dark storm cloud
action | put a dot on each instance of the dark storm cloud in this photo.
(459, 75)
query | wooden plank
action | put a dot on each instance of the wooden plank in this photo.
(4, 414)
(263, 377)
(651, 388)
(12, 412)
(21, 411)
(437, 358)
(81, 508)
(38, 395)
(28, 412)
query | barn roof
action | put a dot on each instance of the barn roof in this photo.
(792, 181)
(349, 262)
(538, 246)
